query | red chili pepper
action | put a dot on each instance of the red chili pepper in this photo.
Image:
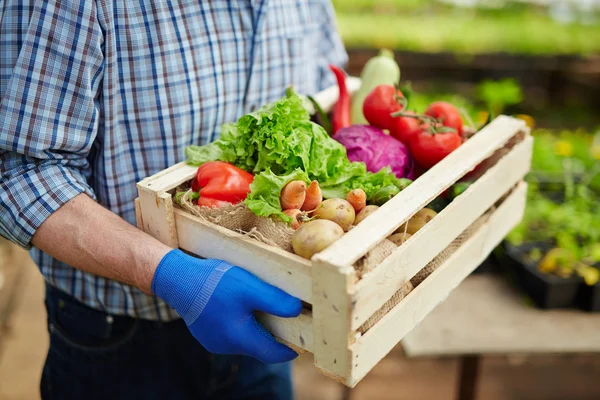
(341, 109)
(219, 182)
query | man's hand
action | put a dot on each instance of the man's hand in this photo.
(217, 301)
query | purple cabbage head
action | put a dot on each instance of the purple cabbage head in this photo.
(376, 149)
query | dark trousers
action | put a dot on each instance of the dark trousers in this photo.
(94, 355)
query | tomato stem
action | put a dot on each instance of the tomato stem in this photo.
(435, 124)
(421, 117)
(402, 101)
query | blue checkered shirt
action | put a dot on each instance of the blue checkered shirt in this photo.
(96, 95)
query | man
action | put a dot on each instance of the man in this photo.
(95, 96)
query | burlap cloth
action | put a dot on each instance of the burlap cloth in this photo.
(423, 273)
(272, 231)
(240, 219)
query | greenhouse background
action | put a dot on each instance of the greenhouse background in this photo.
(537, 60)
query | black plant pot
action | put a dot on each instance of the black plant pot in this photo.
(547, 291)
(588, 297)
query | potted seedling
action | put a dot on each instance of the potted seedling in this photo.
(555, 251)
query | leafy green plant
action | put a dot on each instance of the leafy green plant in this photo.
(466, 32)
(551, 148)
(497, 95)
(571, 227)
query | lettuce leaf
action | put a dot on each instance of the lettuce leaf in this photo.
(263, 199)
(369, 182)
(279, 141)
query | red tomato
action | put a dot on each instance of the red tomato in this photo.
(379, 104)
(405, 128)
(447, 113)
(430, 148)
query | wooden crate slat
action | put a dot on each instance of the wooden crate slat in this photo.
(169, 178)
(278, 267)
(296, 331)
(356, 243)
(377, 286)
(380, 339)
(332, 311)
(139, 222)
(157, 216)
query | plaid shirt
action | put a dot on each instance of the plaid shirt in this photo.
(96, 95)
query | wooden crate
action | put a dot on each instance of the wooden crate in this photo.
(350, 324)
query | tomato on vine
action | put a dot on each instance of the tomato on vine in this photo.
(430, 147)
(405, 128)
(447, 114)
(380, 103)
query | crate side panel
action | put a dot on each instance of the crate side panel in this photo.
(139, 222)
(356, 243)
(275, 266)
(377, 286)
(331, 319)
(295, 331)
(157, 216)
(382, 337)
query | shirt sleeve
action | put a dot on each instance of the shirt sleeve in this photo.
(48, 112)
(331, 46)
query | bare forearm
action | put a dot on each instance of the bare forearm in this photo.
(89, 237)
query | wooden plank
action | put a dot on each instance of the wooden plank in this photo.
(283, 269)
(139, 222)
(462, 326)
(381, 338)
(168, 179)
(295, 331)
(377, 286)
(356, 243)
(157, 212)
(331, 320)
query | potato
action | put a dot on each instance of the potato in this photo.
(315, 236)
(339, 211)
(399, 238)
(364, 213)
(417, 221)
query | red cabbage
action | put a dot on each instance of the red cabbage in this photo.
(376, 149)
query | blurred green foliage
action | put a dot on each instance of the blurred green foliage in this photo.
(497, 95)
(563, 203)
(431, 26)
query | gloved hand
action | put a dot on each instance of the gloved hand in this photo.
(217, 300)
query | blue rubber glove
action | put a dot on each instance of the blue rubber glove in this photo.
(217, 302)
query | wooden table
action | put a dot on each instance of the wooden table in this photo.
(487, 315)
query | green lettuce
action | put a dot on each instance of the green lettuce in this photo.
(263, 199)
(279, 141)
